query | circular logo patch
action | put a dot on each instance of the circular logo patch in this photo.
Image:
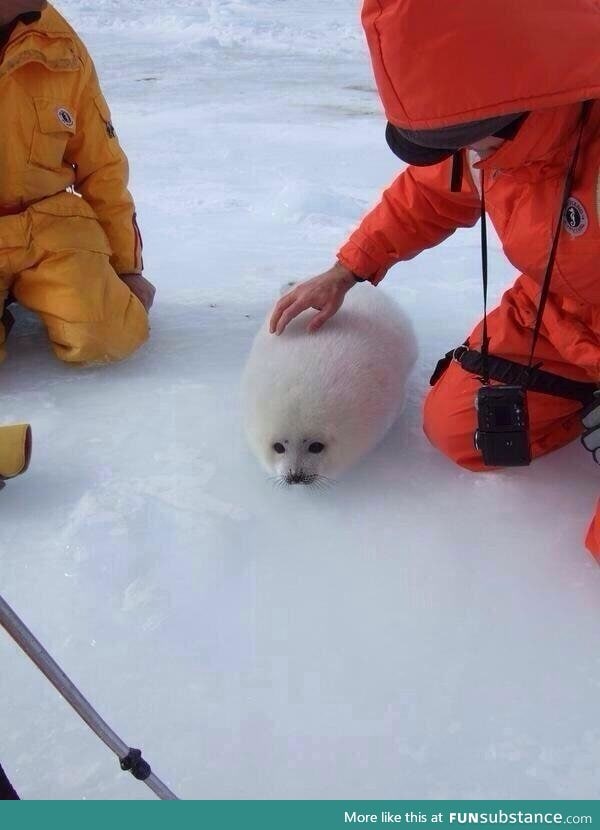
(65, 117)
(575, 219)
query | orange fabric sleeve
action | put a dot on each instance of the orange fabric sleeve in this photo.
(102, 175)
(416, 212)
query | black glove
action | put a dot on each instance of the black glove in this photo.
(591, 422)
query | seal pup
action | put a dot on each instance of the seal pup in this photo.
(314, 404)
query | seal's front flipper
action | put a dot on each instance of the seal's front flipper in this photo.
(15, 450)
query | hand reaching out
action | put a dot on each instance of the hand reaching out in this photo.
(325, 293)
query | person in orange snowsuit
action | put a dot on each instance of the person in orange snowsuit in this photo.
(489, 95)
(70, 248)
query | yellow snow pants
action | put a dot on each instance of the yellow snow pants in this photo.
(55, 261)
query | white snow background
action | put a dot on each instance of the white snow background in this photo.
(416, 632)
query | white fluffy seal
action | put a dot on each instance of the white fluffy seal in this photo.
(313, 404)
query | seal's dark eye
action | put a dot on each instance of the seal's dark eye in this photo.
(316, 447)
(279, 448)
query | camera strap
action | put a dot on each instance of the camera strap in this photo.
(485, 358)
(509, 373)
(527, 373)
(585, 111)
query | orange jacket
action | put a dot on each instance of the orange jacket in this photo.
(56, 132)
(443, 63)
(593, 535)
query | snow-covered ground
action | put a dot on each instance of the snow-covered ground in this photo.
(417, 631)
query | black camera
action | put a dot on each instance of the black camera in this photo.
(502, 434)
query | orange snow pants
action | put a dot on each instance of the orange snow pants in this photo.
(449, 413)
(55, 261)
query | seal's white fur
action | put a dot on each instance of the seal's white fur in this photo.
(342, 387)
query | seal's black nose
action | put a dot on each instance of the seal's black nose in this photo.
(296, 477)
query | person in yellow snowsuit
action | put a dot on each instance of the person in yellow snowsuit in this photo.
(70, 248)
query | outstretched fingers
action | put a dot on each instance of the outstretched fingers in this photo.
(325, 293)
(285, 302)
(293, 310)
(322, 317)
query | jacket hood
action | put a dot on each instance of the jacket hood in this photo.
(446, 62)
(47, 22)
(49, 41)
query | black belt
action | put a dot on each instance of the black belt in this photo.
(517, 374)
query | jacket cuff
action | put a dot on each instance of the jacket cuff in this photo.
(127, 249)
(361, 263)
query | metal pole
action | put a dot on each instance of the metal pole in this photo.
(36, 651)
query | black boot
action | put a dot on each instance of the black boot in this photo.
(7, 792)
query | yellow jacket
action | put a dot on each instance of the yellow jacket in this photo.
(56, 133)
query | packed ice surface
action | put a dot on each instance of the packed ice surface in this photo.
(417, 631)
